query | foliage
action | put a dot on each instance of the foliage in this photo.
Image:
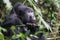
(45, 11)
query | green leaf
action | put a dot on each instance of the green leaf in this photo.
(13, 28)
(22, 36)
(15, 36)
(1, 36)
(2, 29)
(27, 33)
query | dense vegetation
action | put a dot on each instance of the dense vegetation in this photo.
(47, 13)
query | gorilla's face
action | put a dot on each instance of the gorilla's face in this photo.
(30, 17)
(25, 13)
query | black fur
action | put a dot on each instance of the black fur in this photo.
(21, 14)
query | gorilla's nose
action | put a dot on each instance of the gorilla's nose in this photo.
(32, 19)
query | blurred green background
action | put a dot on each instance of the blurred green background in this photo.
(47, 13)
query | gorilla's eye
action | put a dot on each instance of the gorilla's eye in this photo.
(30, 11)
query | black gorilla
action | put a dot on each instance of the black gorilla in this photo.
(20, 14)
(26, 14)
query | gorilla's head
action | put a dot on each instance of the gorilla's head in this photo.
(24, 13)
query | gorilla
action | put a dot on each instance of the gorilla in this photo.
(26, 14)
(19, 15)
